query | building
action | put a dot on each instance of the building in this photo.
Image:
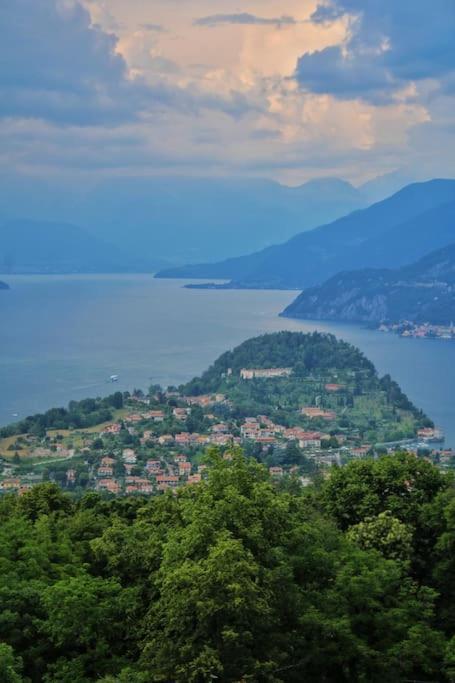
(180, 413)
(334, 387)
(314, 413)
(264, 373)
(310, 440)
(155, 415)
(129, 456)
(109, 485)
(153, 466)
(184, 469)
(105, 471)
(107, 461)
(276, 471)
(112, 429)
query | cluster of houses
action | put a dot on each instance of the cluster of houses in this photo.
(157, 476)
(164, 451)
(408, 328)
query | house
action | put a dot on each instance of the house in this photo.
(183, 439)
(129, 456)
(153, 466)
(184, 469)
(145, 488)
(107, 461)
(194, 479)
(112, 429)
(313, 413)
(169, 480)
(250, 429)
(430, 434)
(361, 451)
(105, 471)
(138, 481)
(220, 428)
(10, 484)
(133, 418)
(155, 415)
(221, 439)
(333, 387)
(165, 439)
(110, 485)
(180, 413)
(310, 440)
(276, 471)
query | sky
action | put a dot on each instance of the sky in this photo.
(281, 89)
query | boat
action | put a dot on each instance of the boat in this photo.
(113, 378)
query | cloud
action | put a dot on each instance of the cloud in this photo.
(389, 46)
(55, 65)
(244, 18)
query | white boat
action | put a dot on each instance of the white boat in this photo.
(113, 378)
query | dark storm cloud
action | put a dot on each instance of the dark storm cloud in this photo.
(56, 66)
(391, 44)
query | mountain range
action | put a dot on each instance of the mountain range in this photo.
(41, 247)
(421, 292)
(177, 220)
(390, 233)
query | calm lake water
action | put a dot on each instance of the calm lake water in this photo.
(62, 337)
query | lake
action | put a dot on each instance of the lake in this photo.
(63, 336)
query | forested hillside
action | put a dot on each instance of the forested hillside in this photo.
(421, 292)
(363, 403)
(234, 579)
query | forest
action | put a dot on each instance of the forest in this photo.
(78, 415)
(235, 579)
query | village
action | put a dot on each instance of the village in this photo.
(158, 442)
(407, 328)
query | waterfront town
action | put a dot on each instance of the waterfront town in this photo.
(406, 328)
(159, 442)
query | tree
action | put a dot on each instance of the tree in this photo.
(10, 666)
(385, 533)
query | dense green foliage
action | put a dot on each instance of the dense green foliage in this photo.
(234, 579)
(78, 415)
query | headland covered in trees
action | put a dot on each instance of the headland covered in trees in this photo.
(249, 525)
(297, 403)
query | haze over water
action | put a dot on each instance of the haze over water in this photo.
(62, 337)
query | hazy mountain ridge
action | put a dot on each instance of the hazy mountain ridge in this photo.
(44, 247)
(177, 219)
(394, 232)
(421, 292)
